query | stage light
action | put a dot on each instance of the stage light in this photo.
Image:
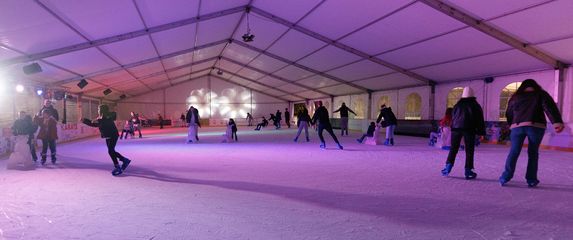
(39, 92)
(219, 72)
(248, 37)
(83, 83)
(19, 88)
(107, 92)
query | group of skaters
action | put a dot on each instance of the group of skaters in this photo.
(43, 126)
(525, 114)
(134, 124)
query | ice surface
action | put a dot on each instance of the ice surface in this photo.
(267, 187)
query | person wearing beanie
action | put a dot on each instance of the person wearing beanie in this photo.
(467, 122)
(525, 114)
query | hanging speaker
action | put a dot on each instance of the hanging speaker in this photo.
(32, 68)
(488, 79)
(122, 96)
(107, 91)
(82, 83)
(59, 95)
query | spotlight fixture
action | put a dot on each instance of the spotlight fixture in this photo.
(107, 92)
(19, 88)
(248, 37)
(82, 83)
(219, 72)
(39, 91)
(32, 68)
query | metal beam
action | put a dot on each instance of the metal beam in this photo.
(159, 89)
(254, 90)
(492, 31)
(274, 76)
(265, 85)
(163, 72)
(139, 63)
(121, 37)
(131, 81)
(299, 65)
(340, 45)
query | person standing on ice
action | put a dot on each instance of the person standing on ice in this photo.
(467, 122)
(194, 125)
(48, 133)
(287, 117)
(108, 130)
(50, 109)
(321, 118)
(279, 117)
(249, 119)
(344, 118)
(389, 123)
(302, 123)
(24, 154)
(525, 114)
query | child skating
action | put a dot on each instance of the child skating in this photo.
(106, 125)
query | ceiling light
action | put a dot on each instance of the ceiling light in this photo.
(219, 72)
(19, 88)
(248, 37)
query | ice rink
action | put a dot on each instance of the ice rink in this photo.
(267, 187)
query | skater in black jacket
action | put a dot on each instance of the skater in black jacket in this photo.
(279, 117)
(264, 123)
(321, 118)
(369, 133)
(287, 117)
(389, 123)
(302, 123)
(105, 123)
(467, 122)
(344, 118)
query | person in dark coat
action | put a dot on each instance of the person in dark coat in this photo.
(467, 122)
(233, 130)
(24, 126)
(389, 123)
(137, 124)
(279, 117)
(264, 123)
(106, 125)
(49, 108)
(194, 124)
(275, 121)
(321, 118)
(303, 122)
(525, 114)
(160, 119)
(369, 132)
(344, 118)
(287, 117)
(249, 119)
(48, 133)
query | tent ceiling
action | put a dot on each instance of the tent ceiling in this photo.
(302, 49)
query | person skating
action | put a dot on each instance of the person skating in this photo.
(321, 118)
(160, 119)
(137, 124)
(275, 121)
(467, 122)
(24, 154)
(233, 130)
(525, 114)
(287, 117)
(249, 119)
(194, 124)
(264, 123)
(106, 125)
(302, 123)
(48, 133)
(279, 117)
(344, 118)
(127, 129)
(369, 132)
(389, 123)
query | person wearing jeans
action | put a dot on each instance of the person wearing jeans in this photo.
(525, 114)
(389, 121)
(302, 123)
(321, 118)
(48, 133)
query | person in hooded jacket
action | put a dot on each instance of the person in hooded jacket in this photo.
(389, 123)
(279, 117)
(302, 123)
(467, 122)
(106, 125)
(194, 124)
(525, 114)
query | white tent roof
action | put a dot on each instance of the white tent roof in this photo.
(302, 49)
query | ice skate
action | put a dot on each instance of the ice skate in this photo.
(470, 174)
(392, 141)
(503, 181)
(340, 147)
(322, 146)
(532, 183)
(125, 163)
(387, 142)
(116, 171)
(447, 169)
